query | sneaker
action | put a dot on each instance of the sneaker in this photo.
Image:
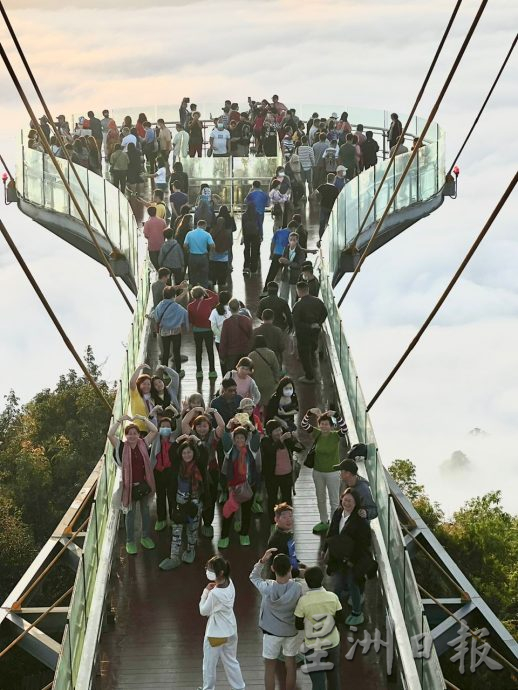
(244, 540)
(188, 556)
(223, 543)
(207, 531)
(304, 379)
(257, 507)
(213, 374)
(237, 525)
(199, 374)
(131, 548)
(170, 563)
(184, 358)
(160, 525)
(352, 619)
(321, 527)
(181, 373)
(147, 543)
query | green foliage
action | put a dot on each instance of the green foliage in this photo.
(48, 448)
(481, 537)
(16, 544)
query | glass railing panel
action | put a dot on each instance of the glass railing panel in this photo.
(113, 226)
(351, 208)
(96, 192)
(54, 192)
(366, 195)
(213, 171)
(33, 175)
(76, 189)
(427, 172)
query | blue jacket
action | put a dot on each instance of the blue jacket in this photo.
(170, 315)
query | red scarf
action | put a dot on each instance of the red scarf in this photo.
(127, 481)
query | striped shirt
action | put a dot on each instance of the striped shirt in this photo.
(306, 157)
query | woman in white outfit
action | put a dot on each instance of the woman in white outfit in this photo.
(220, 642)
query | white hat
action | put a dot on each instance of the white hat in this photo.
(341, 168)
(335, 115)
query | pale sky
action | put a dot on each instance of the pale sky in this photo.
(371, 55)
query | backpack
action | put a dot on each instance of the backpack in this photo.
(330, 162)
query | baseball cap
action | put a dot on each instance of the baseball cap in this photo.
(307, 265)
(340, 168)
(335, 115)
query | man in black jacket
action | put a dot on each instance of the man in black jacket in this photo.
(283, 539)
(281, 310)
(309, 313)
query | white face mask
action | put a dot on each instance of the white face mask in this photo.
(287, 392)
(211, 575)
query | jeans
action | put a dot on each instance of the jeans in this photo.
(206, 337)
(322, 679)
(176, 340)
(288, 292)
(199, 269)
(284, 482)
(246, 515)
(326, 483)
(307, 176)
(164, 493)
(143, 503)
(345, 582)
(191, 527)
(251, 253)
(307, 344)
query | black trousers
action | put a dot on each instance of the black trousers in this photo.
(119, 179)
(218, 272)
(209, 503)
(307, 344)
(231, 362)
(164, 493)
(154, 259)
(252, 246)
(275, 267)
(206, 337)
(246, 516)
(332, 677)
(176, 341)
(284, 482)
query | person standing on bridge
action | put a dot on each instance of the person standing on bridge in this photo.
(309, 314)
(138, 482)
(154, 233)
(199, 243)
(220, 642)
(327, 193)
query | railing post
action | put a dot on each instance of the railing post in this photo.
(70, 655)
(105, 208)
(84, 585)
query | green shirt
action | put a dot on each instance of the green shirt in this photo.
(327, 450)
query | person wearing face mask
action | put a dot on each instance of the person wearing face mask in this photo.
(283, 405)
(348, 553)
(220, 641)
(219, 141)
(161, 456)
(277, 448)
(188, 488)
(138, 482)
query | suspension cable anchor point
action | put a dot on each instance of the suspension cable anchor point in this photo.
(16, 606)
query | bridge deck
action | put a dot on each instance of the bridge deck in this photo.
(156, 641)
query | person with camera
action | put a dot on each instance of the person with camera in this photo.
(188, 489)
(138, 482)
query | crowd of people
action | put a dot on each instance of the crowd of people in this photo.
(240, 453)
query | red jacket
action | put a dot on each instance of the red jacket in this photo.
(200, 309)
(236, 336)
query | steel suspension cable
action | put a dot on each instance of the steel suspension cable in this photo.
(475, 121)
(48, 150)
(448, 289)
(409, 119)
(52, 315)
(51, 123)
(417, 146)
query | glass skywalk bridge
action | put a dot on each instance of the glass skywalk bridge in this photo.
(93, 550)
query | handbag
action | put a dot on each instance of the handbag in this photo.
(140, 490)
(310, 457)
(242, 492)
